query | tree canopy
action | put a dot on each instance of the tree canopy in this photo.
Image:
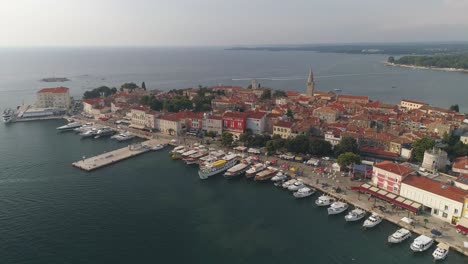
(95, 93)
(227, 139)
(420, 146)
(459, 61)
(348, 158)
(279, 93)
(152, 102)
(266, 94)
(455, 108)
(130, 86)
(177, 103)
(347, 144)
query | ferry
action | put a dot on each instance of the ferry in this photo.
(399, 236)
(69, 126)
(237, 170)
(266, 174)
(218, 166)
(421, 243)
(8, 115)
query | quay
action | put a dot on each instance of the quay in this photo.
(115, 156)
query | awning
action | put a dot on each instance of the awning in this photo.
(462, 228)
(389, 197)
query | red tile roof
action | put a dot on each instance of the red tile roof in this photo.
(92, 101)
(354, 97)
(460, 163)
(393, 168)
(414, 102)
(284, 124)
(256, 115)
(60, 89)
(435, 187)
(235, 115)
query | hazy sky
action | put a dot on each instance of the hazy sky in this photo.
(224, 22)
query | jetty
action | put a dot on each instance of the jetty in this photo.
(108, 158)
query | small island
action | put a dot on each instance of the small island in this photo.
(445, 62)
(55, 79)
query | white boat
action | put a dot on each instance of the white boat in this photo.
(304, 192)
(123, 136)
(280, 176)
(174, 150)
(372, 221)
(88, 133)
(324, 200)
(69, 126)
(8, 115)
(195, 158)
(399, 236)
(421, 243)
(337, 208)
(218, 166)
(256, 168)
(355, 215)
(296, 186)
(158, 147)
(441, 251)
(104, 132)
(288, 183)
(237, 170)
(190, 152)
(266, 174)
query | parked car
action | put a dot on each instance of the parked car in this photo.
(326, 158)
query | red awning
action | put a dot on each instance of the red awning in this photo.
(388, 199)
(462, 228)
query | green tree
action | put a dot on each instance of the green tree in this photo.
(290, 113)
(211, 134)
(266, 94)
(348, 158)
(97, 92)
(227, 139)
(391, 59)
(426, 221)
(420, 146)
(130, 86)
(143, 86)
(320, 147)
(177, 103)
(455, 108)
(279, 93)
(298, 144)
(347, 144)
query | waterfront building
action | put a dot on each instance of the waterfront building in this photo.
(169, 124)
(411, 104)
(138, 116)
(256, 122)
(58, 97)
(434, 160)
(310, 84)
(212, 123)
(326, 114)
(283, 129)
(333, 136)
(234, 122)
(464, 138)
(152, 120)
(442, 200)
(388, 175)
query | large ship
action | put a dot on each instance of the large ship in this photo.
(8, 115)
(217, 166)
(69, 126)
(236, 170)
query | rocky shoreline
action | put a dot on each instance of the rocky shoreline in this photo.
(426, 68)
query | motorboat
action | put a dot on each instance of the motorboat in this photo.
(355, 215)
(8, 115)
(256, 168)
(337, 208)
(288, 183)
(123, 136)
(194, 158)
(218, 166)
(441, 251)
(279, 176)
(324, 200)
(304, 192)
(190, 152)
(421, 243)
(69, 126)
(399, 236)
(104, 132)
(88, 133)
(174, 150)
(266, 174)
(372, 221)
(280, 183)
(237, 170)
(296, 186)
(158, 147)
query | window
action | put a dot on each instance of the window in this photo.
(436, 212)
(444, 215)
(446, 207)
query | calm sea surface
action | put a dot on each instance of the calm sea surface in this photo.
(151, 209)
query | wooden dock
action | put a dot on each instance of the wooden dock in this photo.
(115, 156)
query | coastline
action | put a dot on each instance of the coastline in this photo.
(425, 68)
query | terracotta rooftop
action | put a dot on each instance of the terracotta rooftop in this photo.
(460, 164)
(284, 124)
(435, 187)
(393, 168)
(357, 97)
(256, 115)
(414, 102)
(54, 90)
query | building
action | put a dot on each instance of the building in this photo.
(310, 84)
(388, 175)
(58, 97)
(95, 107)
(464, 138)
(213, 123)
(326, 114)
(234, 122)
(434, 160)
(355, 99)
(443, 201)
(152, 120)
(138, 116)
(283, 129)
(256, 122)
(410, 104)
(460, 165)
(333, 136)
(169, 124)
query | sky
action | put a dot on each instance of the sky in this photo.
(228, 23)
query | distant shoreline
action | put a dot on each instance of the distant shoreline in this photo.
(426, 68)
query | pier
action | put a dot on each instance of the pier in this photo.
(115, 156)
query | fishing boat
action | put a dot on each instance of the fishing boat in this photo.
(324, 200)
(256, 168)
(355, 215)
(399, 236)
(266, 174)
(372, 221)
(218, 166)
(337, 208)
(421, 243)
(304, 192)
(441, 251)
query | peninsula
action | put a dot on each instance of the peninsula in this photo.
(446, 62)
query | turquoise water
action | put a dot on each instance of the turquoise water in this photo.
(150, 209)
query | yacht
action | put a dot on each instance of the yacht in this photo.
(441, 251)
(324, 200)
(69, 126)
(123, 136)
(88, 133)
(256, 168)
(104, 132)
(266, 174)
(421, 243)
(237, 170)
(337, 208)
(8, 115)
(304, 192)
(399, 236)
(174, 150)
(288, 183)
(372, 221)
(188, 153)
(218, 166)
(296, 186)
(158, 147)
(355, 215)
(280, 176)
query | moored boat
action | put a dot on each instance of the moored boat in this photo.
(157, 147)
(266, 174)
(304, 192)
(123, 136)
(337, 208)
(296, 186)
(218, 166)
(324, 200)
(69, 126)
(421, 243)
(355, 215)
(372, 221)
(441, 251)
(88, 133)
(236, 170)
(280, 176)
(8, 115)
(399, 236)
(104, 132)
(254, 169)
(288, 183)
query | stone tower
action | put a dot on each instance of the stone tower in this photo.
(310, 84)
(254, 84)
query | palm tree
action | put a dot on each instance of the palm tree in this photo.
(426, 221)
